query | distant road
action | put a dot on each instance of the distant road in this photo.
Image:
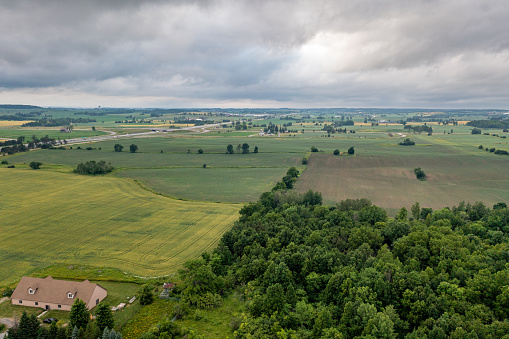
(153, 131)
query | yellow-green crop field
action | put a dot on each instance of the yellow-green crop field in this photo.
(58, 218)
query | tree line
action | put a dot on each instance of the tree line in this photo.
(53, 122)
(244, 149)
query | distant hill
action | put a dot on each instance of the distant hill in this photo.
(19, 106)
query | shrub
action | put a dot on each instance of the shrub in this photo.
(35, 165)
(407, 142)
(93, 168)
(351, 151)
(314, 149)
(304, 161)
(476, 131)
(419, 173)
(336, 152)
(4, 162)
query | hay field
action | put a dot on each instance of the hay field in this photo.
(4, 123)
(57, 218)
(389, 182)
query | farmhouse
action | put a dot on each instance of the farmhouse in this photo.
(53, 294)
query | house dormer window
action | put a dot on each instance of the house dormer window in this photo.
(70, 295)
(31, 291)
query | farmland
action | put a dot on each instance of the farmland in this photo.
(117, 221)
(50, 218)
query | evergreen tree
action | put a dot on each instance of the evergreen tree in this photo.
(28, 328)
(53, 331)
(79, 315)
(75, 333)
(92, 331)
(104, 317)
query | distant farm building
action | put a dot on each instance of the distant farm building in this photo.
(167, 288)
(53, 294)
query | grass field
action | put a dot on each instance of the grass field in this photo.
(41, 132)
(210, 184)
(57, 218)
(157, 160)
(211, 323)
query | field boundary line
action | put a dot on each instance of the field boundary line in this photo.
(142, 186)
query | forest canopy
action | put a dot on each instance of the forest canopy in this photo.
(306, 270)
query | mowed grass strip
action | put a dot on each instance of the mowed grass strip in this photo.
(209, 184)
(57, 218)
(389, 181)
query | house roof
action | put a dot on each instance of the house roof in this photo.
(168, 285)
(54, 291)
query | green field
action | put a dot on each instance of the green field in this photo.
(209, 184)
(56, 218)
(52, 133)
(157, 160)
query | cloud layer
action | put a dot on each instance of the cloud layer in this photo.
(236, 53)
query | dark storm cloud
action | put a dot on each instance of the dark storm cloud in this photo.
(312, 53)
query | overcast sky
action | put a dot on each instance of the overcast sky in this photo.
(255, 53)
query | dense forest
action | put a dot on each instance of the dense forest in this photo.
(489, 123)
(305, 270)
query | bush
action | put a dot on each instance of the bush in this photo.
(35, 165)
(407, 142)
(481, 147)
(336, 152)
(314, 149)
(419, 174)
(476, 131)
(4, 162)
(351, 151)
(304, 161)
(200, 151)
(11, 166)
